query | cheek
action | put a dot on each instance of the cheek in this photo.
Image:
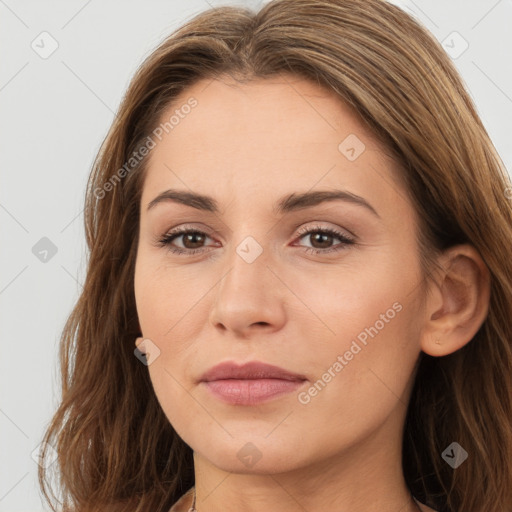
(159, 309)
(366, 341)
(163, 294)
(168, 304)
(343, 301)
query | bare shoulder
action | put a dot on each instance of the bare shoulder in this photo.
(184, 503)
(425, 508)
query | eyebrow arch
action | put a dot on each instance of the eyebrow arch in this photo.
(289, 203)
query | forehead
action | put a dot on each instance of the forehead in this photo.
(261, 107)
(261, 137)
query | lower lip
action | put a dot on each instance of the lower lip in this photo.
(250, 392)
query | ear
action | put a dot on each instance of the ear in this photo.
(457, 303)
(138, 342)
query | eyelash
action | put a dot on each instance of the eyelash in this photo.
(167, 239)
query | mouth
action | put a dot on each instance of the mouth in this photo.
(251, 391)
(250, 383)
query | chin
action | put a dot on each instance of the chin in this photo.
(251, 455)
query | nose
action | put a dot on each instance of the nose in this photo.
(250, 297)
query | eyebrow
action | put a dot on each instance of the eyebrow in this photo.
(289, 203)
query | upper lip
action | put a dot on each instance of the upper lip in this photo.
(250, 370)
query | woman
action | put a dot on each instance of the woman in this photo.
(301, 222)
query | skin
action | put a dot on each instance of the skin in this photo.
(247, 146)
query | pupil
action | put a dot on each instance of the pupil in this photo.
(325, 239)
(191, 237)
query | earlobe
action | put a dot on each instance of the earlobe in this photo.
(138, 342)
(458, 302)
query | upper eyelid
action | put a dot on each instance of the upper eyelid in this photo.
(209, 231)
(318, 227)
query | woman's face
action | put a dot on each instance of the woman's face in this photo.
(265, 279)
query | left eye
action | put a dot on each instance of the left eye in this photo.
(324, 235)
(189, 236)
(321, 236)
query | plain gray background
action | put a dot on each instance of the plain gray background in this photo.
(56, 110)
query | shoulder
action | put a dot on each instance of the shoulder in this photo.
(425, 508)
(184, 503)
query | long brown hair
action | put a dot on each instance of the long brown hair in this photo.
(116, 448)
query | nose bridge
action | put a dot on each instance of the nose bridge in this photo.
(247, 265)
(248, 292)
